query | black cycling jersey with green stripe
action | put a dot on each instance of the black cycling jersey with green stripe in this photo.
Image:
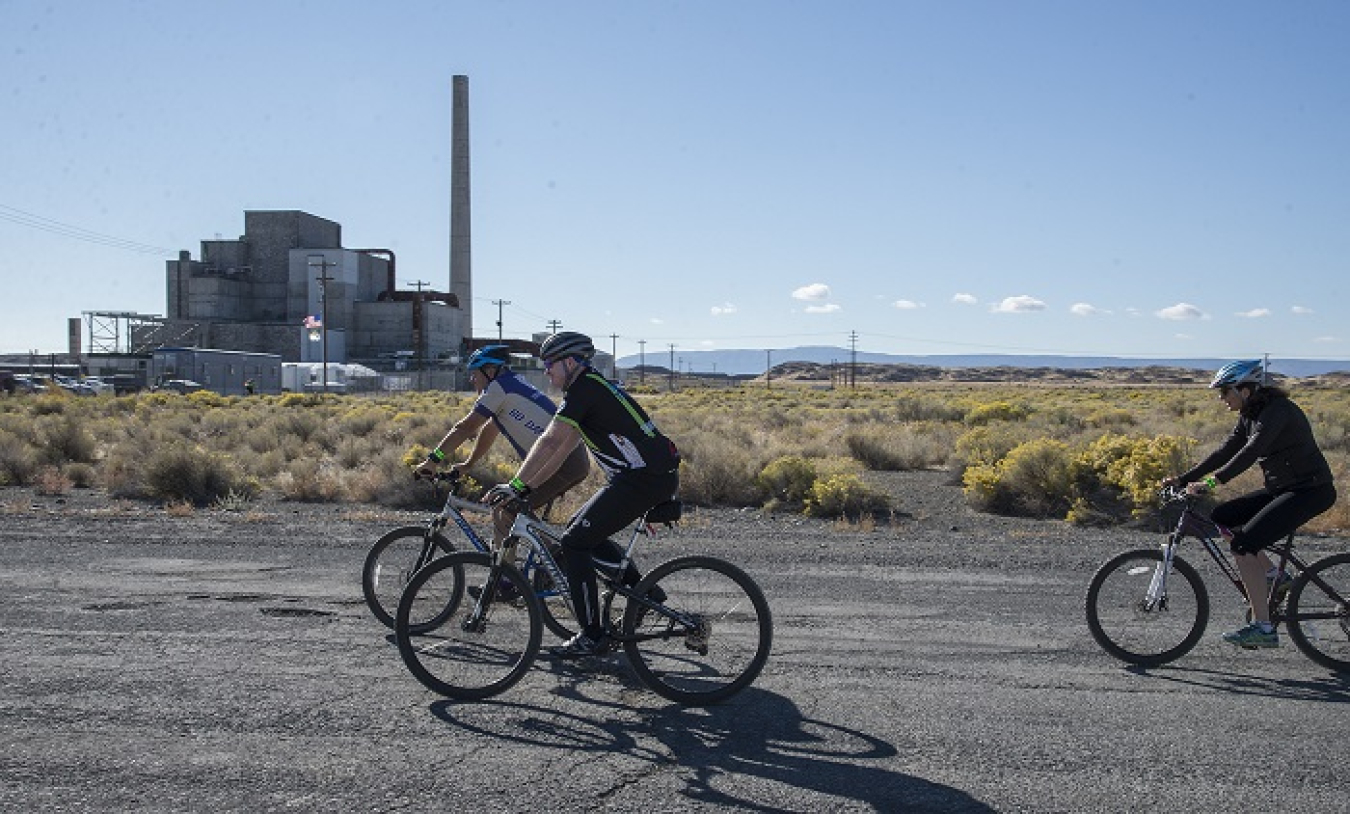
(619, 433)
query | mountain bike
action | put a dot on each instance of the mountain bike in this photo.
(1150, 607)
(402, 552)
(696, 629)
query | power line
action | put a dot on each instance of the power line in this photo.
(55, 227)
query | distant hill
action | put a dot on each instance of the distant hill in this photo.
(753, 362)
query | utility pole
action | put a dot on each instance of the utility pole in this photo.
(323, 279)
(853, 359)
(768, 369)
(500, 304)
(672, 368)
(642, 361)
(554, 325)
(614, 357)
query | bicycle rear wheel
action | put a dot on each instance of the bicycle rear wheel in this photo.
(710, 639)
(391, 564)
(484, 645)
(1318, 612)
(1136, 629)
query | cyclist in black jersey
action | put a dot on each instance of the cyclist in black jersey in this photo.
(1271, 431)
(642, 467)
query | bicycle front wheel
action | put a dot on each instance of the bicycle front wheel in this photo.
(709, 639)
(1318, 612)
(486, 644)
(391, 564)
(1139, 623)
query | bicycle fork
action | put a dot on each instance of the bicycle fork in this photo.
(1156, 596)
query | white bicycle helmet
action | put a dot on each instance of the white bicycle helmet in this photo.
(1237, 373)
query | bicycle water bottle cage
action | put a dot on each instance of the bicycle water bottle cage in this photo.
(666, 512)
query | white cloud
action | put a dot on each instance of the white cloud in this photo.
(907, 305)
(1021, 304)
(815, 292)
(1301, 310)
(723, 309)
(657, 321)
(1181, 311)
(1084, 309)
(965, 299)
(827, 308)
(1328, 340)
(1255, 313)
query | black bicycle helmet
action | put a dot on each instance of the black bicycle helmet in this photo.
(564, 344)
(488, 355)
(1237, 373)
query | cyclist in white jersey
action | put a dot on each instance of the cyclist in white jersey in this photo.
(510, 407)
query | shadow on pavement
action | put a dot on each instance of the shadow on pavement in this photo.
(757, 734)
(1335, 688)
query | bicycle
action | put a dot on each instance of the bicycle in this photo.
(402, 552)
(1149, 606)
(696, 629)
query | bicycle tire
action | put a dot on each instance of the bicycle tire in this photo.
(717, 657)
(1318, 612)
(390, 565)
(452, 658)
(555, 607)
(1121, 623)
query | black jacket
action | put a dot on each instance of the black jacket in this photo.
(1276, 434)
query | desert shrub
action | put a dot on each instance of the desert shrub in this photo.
(1034, 479)
(787, 481)
(18, 460)
(870, 448)
(205, 399)
(1134, 466)
(995, 411)
(64, 438)
(50, 480)
(179, 472)
(714, 471)
(892, 448)
(843, 494)
(311, 482)
(82, 475)
(985, 446)
(913, 407)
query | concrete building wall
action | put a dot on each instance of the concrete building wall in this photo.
(253, 294)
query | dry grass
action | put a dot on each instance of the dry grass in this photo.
(348, 449)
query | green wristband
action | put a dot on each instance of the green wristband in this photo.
(1211, 481)
(436, 455)
(519, 485)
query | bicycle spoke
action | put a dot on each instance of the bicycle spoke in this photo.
(481, 648)
(1134, 619)
(717, 640)
(1319, 612)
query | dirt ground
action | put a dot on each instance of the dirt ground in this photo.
(226, 661)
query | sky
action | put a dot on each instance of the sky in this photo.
(1142, 179)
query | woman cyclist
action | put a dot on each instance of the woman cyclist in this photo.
(1271, 431)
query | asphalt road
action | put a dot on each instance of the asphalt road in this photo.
(227, 662)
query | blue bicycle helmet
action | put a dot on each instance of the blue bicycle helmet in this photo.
(488, 355)
(1238, 373)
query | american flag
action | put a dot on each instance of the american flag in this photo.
(313, 322)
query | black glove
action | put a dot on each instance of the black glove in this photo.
(506, 493)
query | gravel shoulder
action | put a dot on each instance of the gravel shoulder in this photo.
(226, 661)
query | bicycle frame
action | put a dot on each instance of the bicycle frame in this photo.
(1191, 523)
(536, 533)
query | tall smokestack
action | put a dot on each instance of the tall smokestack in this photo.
(460, 253)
